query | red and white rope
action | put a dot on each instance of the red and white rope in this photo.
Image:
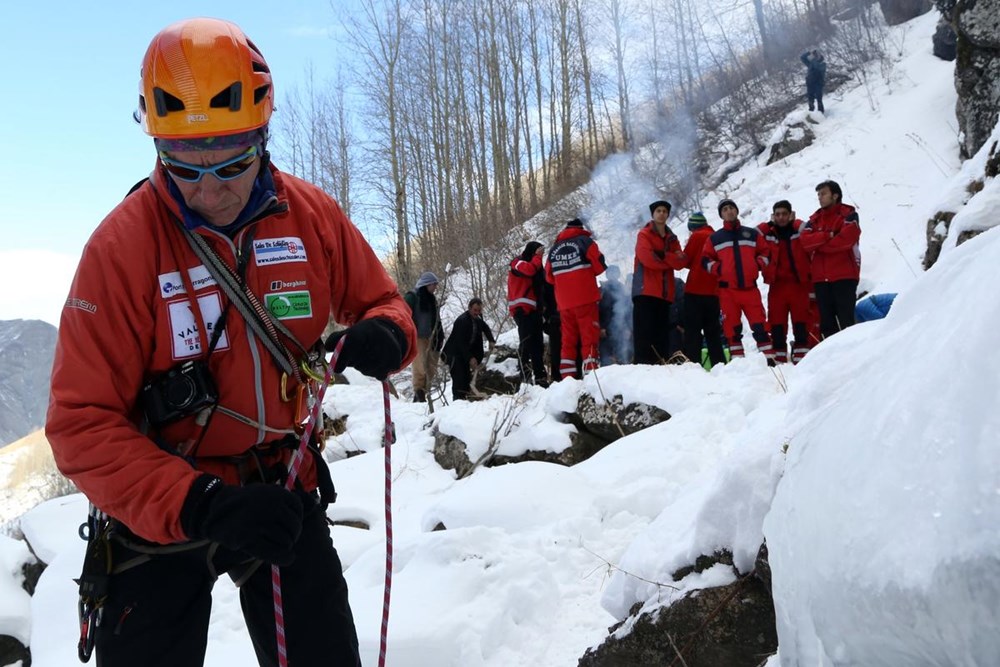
(387, 440)
(293, 473)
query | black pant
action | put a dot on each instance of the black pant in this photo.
(701, 321)
(651, 329)
(461, 379)
(530, 346)
(835, 301)
(157, 612)
(815, 94)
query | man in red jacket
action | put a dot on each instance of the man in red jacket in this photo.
(788, 275)
(657, 254)
(575, 261)
(701, 297)
(524, 294)
(175, 412)
(831, 237)
(736, 254)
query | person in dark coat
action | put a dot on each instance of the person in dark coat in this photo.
(615, 312)
(701, 311)
(525, 280)
(464, 350)
(815, 78)
(427, 319)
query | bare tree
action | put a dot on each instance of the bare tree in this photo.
(379, 37)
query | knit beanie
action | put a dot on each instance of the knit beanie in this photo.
(727, 202)
(696, 220)
(426, 278)
(656, 204)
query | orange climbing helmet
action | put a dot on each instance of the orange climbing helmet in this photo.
(203, 78)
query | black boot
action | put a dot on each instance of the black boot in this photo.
(419, 396)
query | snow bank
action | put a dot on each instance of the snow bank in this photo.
(883, 532)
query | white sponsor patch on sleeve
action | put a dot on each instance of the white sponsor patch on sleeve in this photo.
(185, 341)
(278, 250)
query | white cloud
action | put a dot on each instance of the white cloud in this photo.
(35, 284)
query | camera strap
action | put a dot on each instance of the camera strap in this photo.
(247, 304)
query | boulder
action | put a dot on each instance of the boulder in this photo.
(901, 11)
(11, 651)
(796, 137)
(610, 420)
(597, 425)
(937, 232)
(451, 453)
(944, 40)
(730, 625)
(977, 70)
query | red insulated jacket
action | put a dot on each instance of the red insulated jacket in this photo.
(575, 261)
(522, 284)
(699, 280)
(656, 258)
(129, 317)
(831, 237)
(736, 254)
(789, 262)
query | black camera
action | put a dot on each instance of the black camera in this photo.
(182, 391)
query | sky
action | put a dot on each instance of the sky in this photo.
(886, 495)
(73, 151)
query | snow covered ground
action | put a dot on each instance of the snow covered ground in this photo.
(881, 522)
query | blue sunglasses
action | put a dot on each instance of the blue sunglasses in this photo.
(224, 171)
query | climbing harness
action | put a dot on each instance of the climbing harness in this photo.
(93, 580)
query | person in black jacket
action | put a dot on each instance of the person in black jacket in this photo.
(615, 310)
(815, 78)
(427, 319)
(464, 350)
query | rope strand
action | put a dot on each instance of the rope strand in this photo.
(293, 472)
(387, 441)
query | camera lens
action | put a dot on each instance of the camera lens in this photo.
(179, 392)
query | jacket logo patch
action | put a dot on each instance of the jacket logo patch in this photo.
(279, 251)
(80, 304)
(289, 305)
(171, 283)
(286, 284)
(185, 340)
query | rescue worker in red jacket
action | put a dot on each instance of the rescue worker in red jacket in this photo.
(701, 316)
(574, 263)
(525, 281)
(832, 237)
(787, 274)
(736, 254)
(657, 254)
(170, 411)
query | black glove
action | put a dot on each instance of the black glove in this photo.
(375, 347)
(262, 520)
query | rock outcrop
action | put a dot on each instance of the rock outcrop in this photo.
(977, 70)
(730, 625)
(26, 351)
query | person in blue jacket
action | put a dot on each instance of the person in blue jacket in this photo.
(873, 307)
(815, 78)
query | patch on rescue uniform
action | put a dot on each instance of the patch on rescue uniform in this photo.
(171, 284)
(289, 305)
(278, 250)
(185, 341)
